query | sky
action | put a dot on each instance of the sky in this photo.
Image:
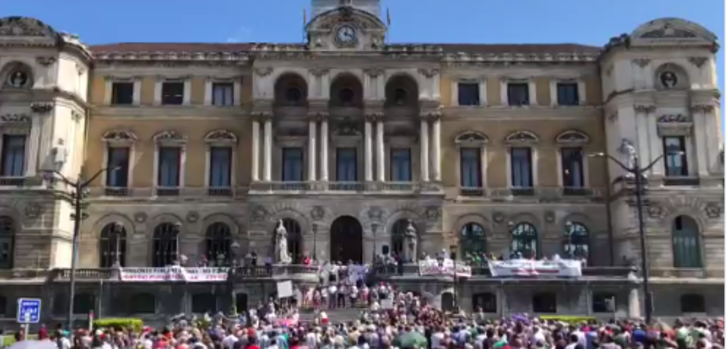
(442, 21)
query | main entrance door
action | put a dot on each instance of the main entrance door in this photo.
(346, 240)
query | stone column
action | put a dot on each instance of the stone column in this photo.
(255, 150)
(267, 176)
(436, 150)
(312, 155)
(424, 150)
(34, 145)
(381, 156)
(324, 150)
(634, 303)
(368, 144)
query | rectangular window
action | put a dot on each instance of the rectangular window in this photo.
(518, 93)
(169, 167)
(347, 165)
(674, 149)
(172, 93)
(568, 94)
(13, 156)
(470, 168)
(292, 164)
(469, 93)
(521, 167)
(401, 165)
(122, 93)
(223, 94)
(118, 157)
(572, 168)
(220, 167)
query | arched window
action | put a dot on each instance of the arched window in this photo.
(204, 303)
(112, 245)
(686, 246)
(398, 236)
(544, 302)
(577, 242)
(84, 303)
(524, 240)
(472, 241)
(693, 303)
(143, 303)
(486, 301)
(219, 241)
(294, 239)
(7, 242)
(291, 90)
(166, 245)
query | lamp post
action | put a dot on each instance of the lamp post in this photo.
(374, 229)
(568, 233)
(315, 242)
(117, 230)
(510, 227)
(638, 172)
(452, 252)
(233, 253)
(76, 200)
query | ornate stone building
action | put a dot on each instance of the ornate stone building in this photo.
(347, 138)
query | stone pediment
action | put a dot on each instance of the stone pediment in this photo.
(24, 29)
(346, 28)
(671, 30)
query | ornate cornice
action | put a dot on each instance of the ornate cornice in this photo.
(262, 72)
(143, 56)
(374, 116)
(318, 72)
(645, 109)
(374, 73)
(702, 108)
(42, 107)
(698, 61)
(45, 61)
(261, 115)
(15, 119)
(641, 62)
(429, 73)
(318, 116)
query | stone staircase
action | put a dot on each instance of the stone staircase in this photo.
(335, 315)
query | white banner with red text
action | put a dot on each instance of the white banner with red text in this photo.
(530, 268)
(433, 267)
(173, 274)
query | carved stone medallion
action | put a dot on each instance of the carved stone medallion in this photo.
(192, 217)
(317, 213)
(713, 210)
(259, 214)
(32, 210)
(433, 213)
(498, 217)
(375, 213)
(550, 216)
(140, 217)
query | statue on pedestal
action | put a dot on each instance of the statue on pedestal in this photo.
(281, 254)
(411, 239)
(628, 149)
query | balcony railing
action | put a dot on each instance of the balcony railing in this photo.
(165, 192)
(539, 193)
(484, 272)
(681, 181)
(240, 273)
(352, 187)
(11, 181)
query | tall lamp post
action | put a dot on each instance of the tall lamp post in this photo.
(315, 242)
(638, 172)
(76, 200)
(231, 274)
(568, 233)
(374, 229)
(117, 231)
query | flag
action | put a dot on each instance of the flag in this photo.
(388, 14)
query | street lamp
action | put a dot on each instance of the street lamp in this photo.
(568, 233)
(231, 273)
(117, 231)
(510, 228)
(79, 191)
(639, 172)
(315, 242)
(374, 229)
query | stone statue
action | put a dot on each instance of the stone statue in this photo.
(628, 149)
(411, 239)
(281, 254)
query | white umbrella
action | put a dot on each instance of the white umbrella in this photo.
(33, 345)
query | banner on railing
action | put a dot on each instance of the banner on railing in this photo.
(173, 274)
(432, 267)
(530, 268)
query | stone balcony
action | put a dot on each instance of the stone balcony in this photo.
(346, 187)
(538, 194)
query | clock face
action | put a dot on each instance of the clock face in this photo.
(346, 34)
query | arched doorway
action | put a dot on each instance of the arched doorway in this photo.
(346, 240)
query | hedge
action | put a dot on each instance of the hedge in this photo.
(119, 323)
(570, 319)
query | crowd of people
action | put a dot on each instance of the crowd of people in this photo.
(406, 322)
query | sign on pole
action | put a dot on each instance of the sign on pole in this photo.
(28, 311)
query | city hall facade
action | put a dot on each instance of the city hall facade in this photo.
(201, 149)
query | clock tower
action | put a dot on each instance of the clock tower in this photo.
(371, 6)
(348, 25)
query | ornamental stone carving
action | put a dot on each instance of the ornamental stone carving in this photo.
(698, 61)
(15, 118)
(655, 211)
(549, 216)
(713, 210)
(433, 213)
(702, 108)
(262, 72)
(32, 210)
(192, 217)
(318, 72)
(170, 136)
(119, 136)
(221, 136)
(641, 62)
(42, 107)
(375, 213)
(498, 217)
(45, 61)
(317, 213)
(259, 214)
(645, 109)
(140, 217)
(374, 73)
(429, 73)
(675, 118)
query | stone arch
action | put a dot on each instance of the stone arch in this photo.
(477, 218)
(114, 217)
(526, 217)
(471, 138)
(221, 136)
(17, 66)
(579, 218)
(572, 137)
(417, 219)
(119, 136)
(290, 213)
(685, 206)
(402, 89)
(166, 218)
(682, 76)
(291, 89)
(346, 90)
(521, 137)
(14, 214)
(673, 28)
(221, 218)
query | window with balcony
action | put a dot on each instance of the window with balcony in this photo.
(472, 242)
(117, 158)
(7, 242)
(572, 171)
(576, 244)
(220, 167)
(521, 162)
(568, 93)
(13, 155)
(169, 176)
(471, 173)
(524, 241)
(469, 93)
(223, 94)
(347, 165)
(518, 93)
(292, 164)
(674, 148)
(112, 245)
(401, 165)
(166, 245)
(172, 93)
(122, 93)
(219, 243)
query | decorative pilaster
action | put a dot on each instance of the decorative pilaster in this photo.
(323, 147)
(255, 150)
(368, 148)
(436, 149)
(267, 176)
(424, 150)
(34, 145)
(312, 154)
(380, 151)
